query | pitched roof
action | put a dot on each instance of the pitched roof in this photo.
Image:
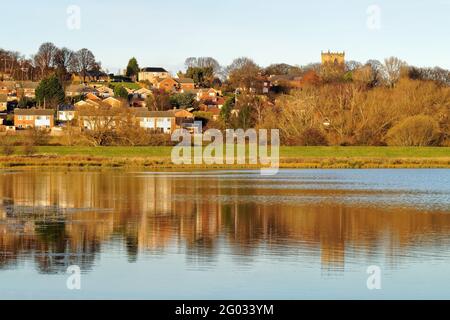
(29, 85)
(103, 89)
(153, 69)
(182, 113)
(145, 113)
(34, 112)
(92, 96)
(185, 80)
(66, 107)
(143, 90)
(87, 102)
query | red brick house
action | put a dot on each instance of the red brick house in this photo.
(34, 118)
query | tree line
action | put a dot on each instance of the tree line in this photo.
(49, 59)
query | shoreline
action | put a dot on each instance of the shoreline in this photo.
(75, 161)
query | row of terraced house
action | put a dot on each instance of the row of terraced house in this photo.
(88, 118)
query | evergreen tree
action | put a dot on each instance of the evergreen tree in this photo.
(132, 68)
(50, 92)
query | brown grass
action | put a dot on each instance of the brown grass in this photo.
(163, 163)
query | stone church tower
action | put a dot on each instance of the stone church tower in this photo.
(335, 58)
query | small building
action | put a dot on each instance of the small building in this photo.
(152, 73)
(34, 118)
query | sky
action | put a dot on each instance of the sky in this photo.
(165, 33)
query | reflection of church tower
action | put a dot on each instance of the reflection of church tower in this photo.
(335, 58)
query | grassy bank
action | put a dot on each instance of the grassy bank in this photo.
(291, 157)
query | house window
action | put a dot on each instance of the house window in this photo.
(20, 117)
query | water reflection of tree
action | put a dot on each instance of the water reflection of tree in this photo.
(147, 215)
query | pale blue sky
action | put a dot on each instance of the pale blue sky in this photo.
(164, 33)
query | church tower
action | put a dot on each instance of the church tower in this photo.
(333, 58)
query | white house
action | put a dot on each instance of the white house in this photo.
(160, 121)
(66, 113)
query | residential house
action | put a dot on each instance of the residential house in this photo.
(152, 73)
(104, 92)
(214, 102)
(159, 121)
(186, 84)
(3, 102)
(143, 93)
(167, 84)
(112, 102)
(92, 96)
(94, 118)
(74, 90)
(205, 94)
(28, 89)
(66, 113)
(182, 117)
(87, 103)
(34, 118)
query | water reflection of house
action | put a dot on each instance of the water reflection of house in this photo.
(65, 217)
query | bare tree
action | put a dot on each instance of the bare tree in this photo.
(203, 62)
(84, 61)
(45, 57)
(392, 70)
(64, 63)
(244, 73)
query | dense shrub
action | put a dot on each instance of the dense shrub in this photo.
(418, 130)
(313, 137)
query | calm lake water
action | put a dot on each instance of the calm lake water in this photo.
(225, 234)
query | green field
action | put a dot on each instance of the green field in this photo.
(285, 152)
(290, 157)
